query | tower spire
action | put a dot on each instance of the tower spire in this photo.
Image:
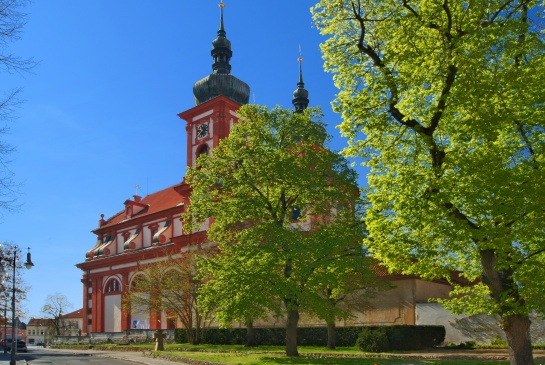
(221, 48)
(221, 30)
(300, 95)
(300, 59)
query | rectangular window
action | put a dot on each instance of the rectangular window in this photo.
(295, 213)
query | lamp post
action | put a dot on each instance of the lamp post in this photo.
(5, 323)
(13, 262)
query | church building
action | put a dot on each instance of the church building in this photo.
(149, 229)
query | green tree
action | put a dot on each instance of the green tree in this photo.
(170, 286)
(351, 288)
(282, 209)
(444, 102)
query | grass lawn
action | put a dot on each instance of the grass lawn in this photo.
(275, 355)
(264, 355)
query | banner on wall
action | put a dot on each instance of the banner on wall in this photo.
(139, 324)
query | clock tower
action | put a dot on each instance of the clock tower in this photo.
(217, 98)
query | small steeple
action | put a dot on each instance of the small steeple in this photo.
(221, 48)
(300, 95)
(300, 102)
(221, 31)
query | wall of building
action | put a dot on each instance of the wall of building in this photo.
(112, 313)
(71, 326)
(429, 289)
(395, 306)
(37, 335)
(390, 307)
(480, 328)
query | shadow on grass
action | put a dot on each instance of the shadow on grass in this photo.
(363, 361)
(328, 360)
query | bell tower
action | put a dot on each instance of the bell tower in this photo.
(217, 98)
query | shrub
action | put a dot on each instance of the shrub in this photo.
(463, 345)
(415, 337)
(373, 340)
(399, 337)
(498, 342)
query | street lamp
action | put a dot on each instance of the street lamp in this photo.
(13, 261)
(5, 322)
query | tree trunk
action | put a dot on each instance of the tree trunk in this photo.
(291, 332)
(199, 328)
(197, 338)
(159, 344)
(250, 334)
(515, 326)
(331, 335)
(517, 332)
(192, 336)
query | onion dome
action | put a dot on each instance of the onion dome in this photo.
(221, 82)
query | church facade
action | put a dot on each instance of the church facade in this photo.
(149, 229)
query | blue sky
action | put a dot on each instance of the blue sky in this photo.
(100, 111)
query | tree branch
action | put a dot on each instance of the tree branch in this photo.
(531, 255)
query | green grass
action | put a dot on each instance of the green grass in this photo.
(279, 349)
(275, 355)
(253, 358)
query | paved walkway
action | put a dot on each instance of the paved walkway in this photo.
(133, 356)
(136, 357)
(412, 358)
(6, 358)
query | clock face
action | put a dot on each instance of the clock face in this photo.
(202, 131)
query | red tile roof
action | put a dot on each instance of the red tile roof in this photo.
(38, 322)
(156, 202)
(75, 314)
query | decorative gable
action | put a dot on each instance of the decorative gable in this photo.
(133, 207)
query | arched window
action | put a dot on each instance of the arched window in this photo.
(202, 150)
(113, 286)
(139, 283)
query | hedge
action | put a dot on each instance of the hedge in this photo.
(399, 337)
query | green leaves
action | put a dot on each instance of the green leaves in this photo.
(272, 164)
(444, 102)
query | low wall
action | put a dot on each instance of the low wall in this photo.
(126, 337)
(480, 328)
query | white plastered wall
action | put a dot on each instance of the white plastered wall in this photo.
(480, 328)
(112, 313)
